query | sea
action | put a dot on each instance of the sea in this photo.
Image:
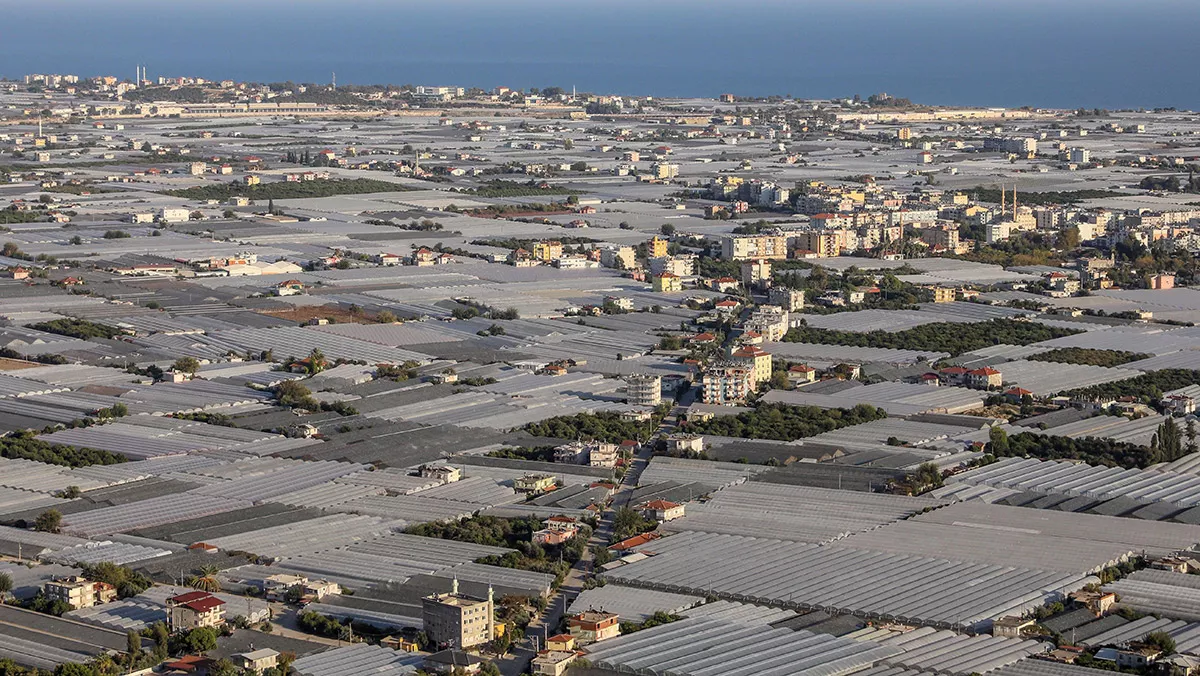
(1045, 53)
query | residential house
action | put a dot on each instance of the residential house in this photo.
(443, 473)
(800, 374)
(534, 483)
(193, 610)
(256, 661)
(553, 662)
(666, 283)
(593, 626)
(79, 592)
(661, 510)
(984, 378)
(452, 662)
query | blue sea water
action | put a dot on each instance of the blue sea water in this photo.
(1051, 53)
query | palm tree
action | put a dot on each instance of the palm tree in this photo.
(206, 579)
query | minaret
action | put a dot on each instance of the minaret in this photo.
(454, 588)
(334, 83)
(1014, 202)
(1003, 199)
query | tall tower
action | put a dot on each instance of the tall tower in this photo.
(1003, 199)
(334, 83)
(1014, 201)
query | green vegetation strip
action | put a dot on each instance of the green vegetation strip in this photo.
(783, 422)
(289, 190)
(950, 337)
(1089, 357)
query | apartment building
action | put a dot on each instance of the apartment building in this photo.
(642, 389)
(458, 621)
(741, 247)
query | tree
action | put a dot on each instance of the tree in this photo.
(48, 521)
(502, 643)
(667, 229)
(998, 441)
(1161, 640)
(271, 206)
(206, 579)
(223, 667)
(133, 646)
(6, 584)
(1069, 238)
(188, 365)
(74, 669)
(199, 640)
(489, 669)
(70, 493)
(386, 317)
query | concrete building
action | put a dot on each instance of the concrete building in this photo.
(661, 510)
(757, 360)
(741, 247)
(620, 257)
(643, 389)
(592, 626)
(79, 592)
(666, 283)
(174, 215)
(194, 610)
(791, 300)
(664, 170)
(726, 384)
(823, 244)
(458, 621)
(256, 661)
(756, 272)
(1162, 281)
(553, 662)
(984, 378)
(657, 247)
(943, 294)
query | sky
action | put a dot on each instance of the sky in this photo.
(1055, 53)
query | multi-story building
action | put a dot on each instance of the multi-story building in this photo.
(984, 378)
(770, 321)
(756, 272)
(791, 300)
(1024, 147)
(643, 389)
(727, 384)
(942, 236)
(1079, 156)
(79, 592)
(621, 257)
(666, 283)
(683, 265)
(548, 251)
(822, 243)
(741, 247)
(657, 247)
(592, 626)
(943, 294)
(664, 170)
(458, 621)
(194, 610)
(757, 360)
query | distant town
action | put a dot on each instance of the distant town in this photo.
(332, 380)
